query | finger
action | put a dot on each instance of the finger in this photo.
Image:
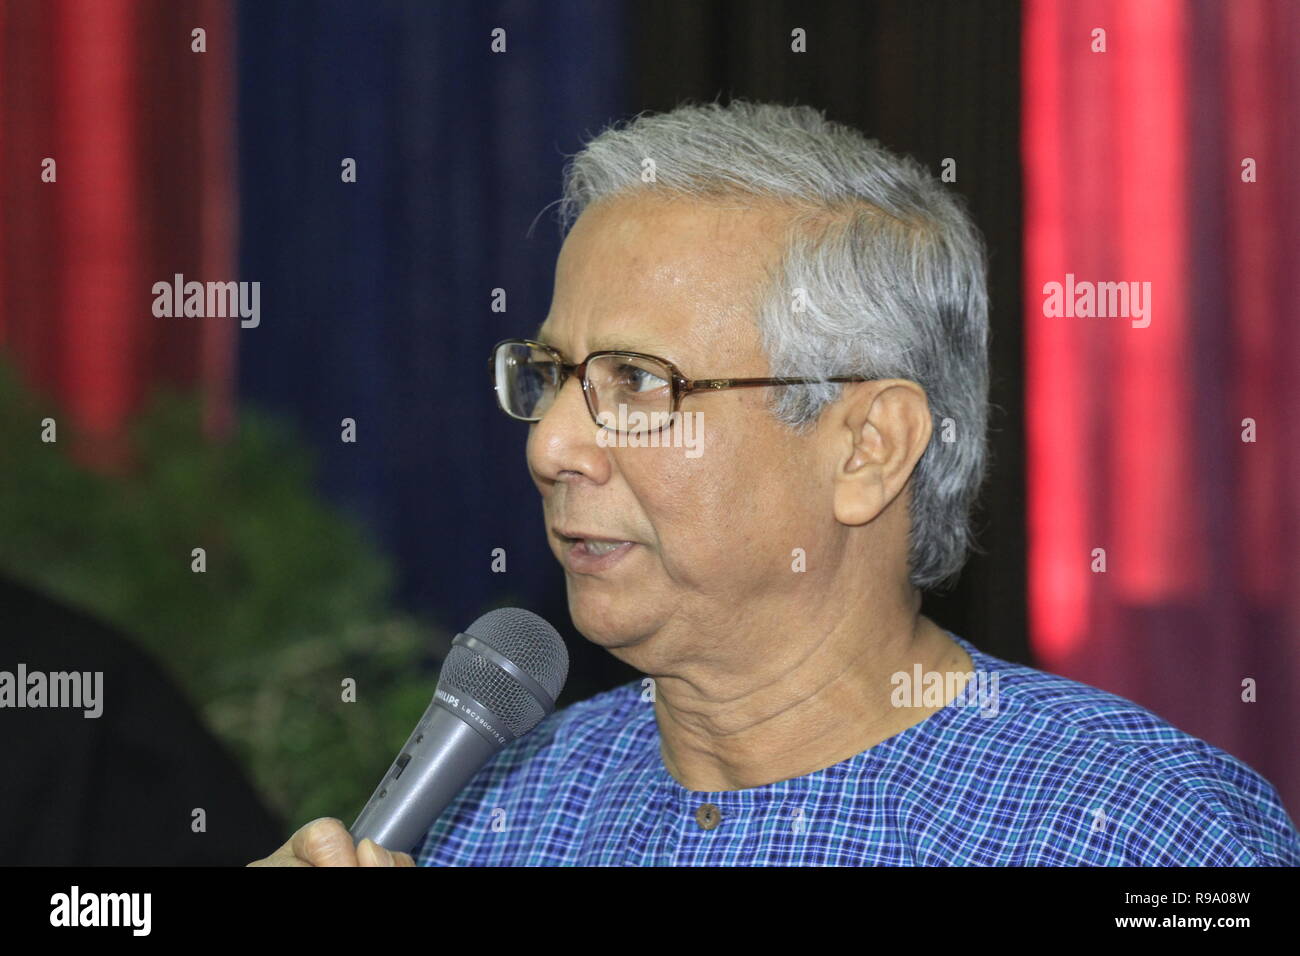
(370, 853)
(325, 842)
(404, 859)
(279, 860)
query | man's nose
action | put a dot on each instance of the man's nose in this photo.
(564, 440)
(569, 404)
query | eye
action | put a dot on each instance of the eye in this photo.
(548, 369)
(638, 379)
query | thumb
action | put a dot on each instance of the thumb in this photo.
(325, 842)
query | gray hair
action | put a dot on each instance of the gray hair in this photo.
(882, 275)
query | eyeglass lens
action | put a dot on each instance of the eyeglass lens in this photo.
(627, 393)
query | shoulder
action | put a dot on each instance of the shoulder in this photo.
(1098, 778)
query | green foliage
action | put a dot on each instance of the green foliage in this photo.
(293, 601)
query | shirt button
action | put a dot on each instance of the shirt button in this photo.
(708, 816)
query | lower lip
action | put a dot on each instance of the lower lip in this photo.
(577, 559)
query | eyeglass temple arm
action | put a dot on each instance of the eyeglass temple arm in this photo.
(703, 384)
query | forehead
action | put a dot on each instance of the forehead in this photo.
(659, 275)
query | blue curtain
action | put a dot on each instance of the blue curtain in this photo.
(376, 294)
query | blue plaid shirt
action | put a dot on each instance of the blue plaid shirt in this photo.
(1064, 774)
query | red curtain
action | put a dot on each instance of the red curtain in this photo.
(140, 127)
(1138, 161)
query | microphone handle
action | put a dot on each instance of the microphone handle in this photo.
(441, 756)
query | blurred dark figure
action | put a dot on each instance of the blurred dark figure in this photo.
(120, 788)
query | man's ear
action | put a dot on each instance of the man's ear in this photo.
(881, 430)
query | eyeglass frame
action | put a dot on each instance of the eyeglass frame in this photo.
(681, 385)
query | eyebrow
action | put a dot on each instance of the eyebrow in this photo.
(608, 345)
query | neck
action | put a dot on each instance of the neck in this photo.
(773, 709)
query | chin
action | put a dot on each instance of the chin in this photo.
(607, 620)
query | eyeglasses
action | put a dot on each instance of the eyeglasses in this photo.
(627, 392)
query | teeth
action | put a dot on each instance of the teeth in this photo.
(601, 547)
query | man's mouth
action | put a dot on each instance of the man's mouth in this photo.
(590, 538)
(583, 549)
(600, 547)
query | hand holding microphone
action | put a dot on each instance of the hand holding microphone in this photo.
(502, 677)
(326, 842)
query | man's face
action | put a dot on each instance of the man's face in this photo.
(712, 536)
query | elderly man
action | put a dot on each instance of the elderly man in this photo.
(817, 307)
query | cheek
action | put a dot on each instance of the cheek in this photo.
(684, 500)
(706, 512)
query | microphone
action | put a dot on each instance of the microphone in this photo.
(501, 678)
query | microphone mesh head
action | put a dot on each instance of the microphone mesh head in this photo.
(528, 642)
